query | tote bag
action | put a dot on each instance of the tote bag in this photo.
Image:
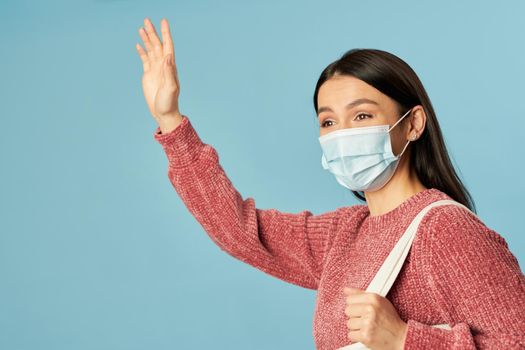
(387, 273)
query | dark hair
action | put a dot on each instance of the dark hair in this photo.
(396, 79)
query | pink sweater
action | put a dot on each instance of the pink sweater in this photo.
(458, 270)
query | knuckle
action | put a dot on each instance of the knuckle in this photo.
(366, 337)
(375, 301)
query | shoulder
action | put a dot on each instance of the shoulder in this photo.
(454, 225)
(346, 218)
(353, 213)
(468, 267)
(454, 235)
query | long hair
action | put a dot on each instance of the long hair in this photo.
(396, 79)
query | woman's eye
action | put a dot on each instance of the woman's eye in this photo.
(323, 125)
(358, 117)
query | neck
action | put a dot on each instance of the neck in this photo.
(399, 188)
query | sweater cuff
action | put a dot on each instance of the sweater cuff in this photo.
(182, 145)
(422, 336)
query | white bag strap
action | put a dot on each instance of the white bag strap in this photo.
(388, 272)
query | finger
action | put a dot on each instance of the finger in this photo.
(153, 37)
(356, 296)
(351, 290)
(168, 46)
(143, 57)
(357, 310)
(147, 42)
(166, 37)
(354, 336)
(354, 324)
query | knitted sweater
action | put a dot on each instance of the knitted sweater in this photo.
(458, 270)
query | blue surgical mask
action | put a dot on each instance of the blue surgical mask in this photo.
(361, 158)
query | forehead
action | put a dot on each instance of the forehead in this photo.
(341, 89)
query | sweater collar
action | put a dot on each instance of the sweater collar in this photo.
(404, 211)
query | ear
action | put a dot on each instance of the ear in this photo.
(417, 123)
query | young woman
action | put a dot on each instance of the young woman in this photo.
(381, 139)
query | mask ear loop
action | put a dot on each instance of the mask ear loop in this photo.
(400, 119)
(404, 148)
(406, 144)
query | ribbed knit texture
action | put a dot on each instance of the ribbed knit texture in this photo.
(458, 270)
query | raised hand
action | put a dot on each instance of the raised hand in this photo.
(160, 82)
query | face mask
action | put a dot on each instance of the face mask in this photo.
(361, 158)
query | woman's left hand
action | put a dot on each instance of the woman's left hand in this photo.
(373, 321)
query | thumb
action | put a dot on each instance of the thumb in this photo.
(169, 71)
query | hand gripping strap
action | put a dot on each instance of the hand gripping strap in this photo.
(387, 273)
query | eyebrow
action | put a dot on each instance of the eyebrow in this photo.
(349, 105)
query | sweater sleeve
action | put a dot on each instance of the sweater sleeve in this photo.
(289, 246)
(474, 278)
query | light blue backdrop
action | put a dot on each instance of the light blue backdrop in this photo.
(97, 251)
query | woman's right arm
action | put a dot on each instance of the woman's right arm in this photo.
(289, 246)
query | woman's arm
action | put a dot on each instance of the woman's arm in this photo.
(286, 245)
(475, 279)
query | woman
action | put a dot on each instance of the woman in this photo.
(370, 104)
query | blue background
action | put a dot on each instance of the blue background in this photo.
(97, 251)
